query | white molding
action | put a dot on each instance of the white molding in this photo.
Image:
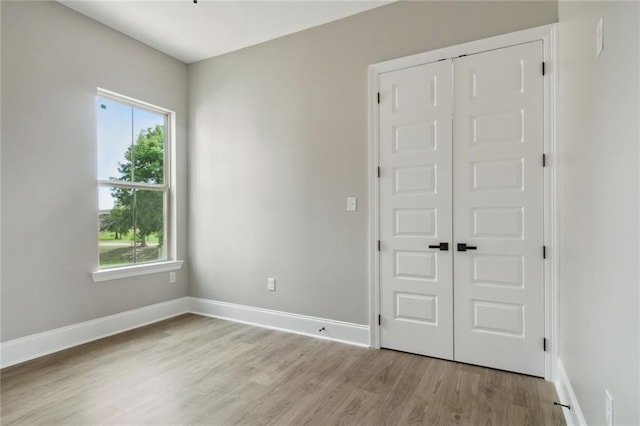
(374, 210)
(338, 331)
(573, 416)
(548, 35)
(469, 48)
(135, 270)
(117, 97)
(551, 212)
(37, 345)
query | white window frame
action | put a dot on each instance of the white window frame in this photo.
(170, 263)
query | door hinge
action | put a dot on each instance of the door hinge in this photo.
(543, 68)
(544, 344)
(378, 171)
(544, 160)
(378, 245)
(379, 320)
(378, 98)
(544, 252)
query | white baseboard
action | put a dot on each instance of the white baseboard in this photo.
(36, 345)
(338, 331)
(573, 416)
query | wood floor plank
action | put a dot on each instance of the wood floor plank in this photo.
(197, 370)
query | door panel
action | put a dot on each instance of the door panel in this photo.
(481, 184)
(498, 208)
(415, 210)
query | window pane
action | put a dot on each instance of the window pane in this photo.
(149, 146)
(116, 240)
(149, 224)
(115, 125)
(130, 143)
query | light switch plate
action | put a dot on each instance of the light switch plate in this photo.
(600, 36)
(352, 204)
(271, 284)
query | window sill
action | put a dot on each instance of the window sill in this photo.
(135, 270)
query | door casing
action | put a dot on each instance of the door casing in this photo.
(548, 35)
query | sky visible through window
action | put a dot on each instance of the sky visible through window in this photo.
(118, 127)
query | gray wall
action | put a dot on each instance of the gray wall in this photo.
(599, 204)
(52, 61)
(278, 140)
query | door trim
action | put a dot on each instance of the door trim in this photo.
(548, 34)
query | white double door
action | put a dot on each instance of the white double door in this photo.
(461, 209)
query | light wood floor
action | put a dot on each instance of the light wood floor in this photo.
(198, 370)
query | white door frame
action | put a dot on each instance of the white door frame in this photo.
(548, 34)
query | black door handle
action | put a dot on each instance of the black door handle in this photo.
(441, 246)
(465, 247)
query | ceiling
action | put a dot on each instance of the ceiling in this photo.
(192, 32)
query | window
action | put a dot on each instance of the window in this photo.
(134, 190)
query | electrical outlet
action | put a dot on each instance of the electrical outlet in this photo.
(608, 408)
(271, 284)
(172, 277)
